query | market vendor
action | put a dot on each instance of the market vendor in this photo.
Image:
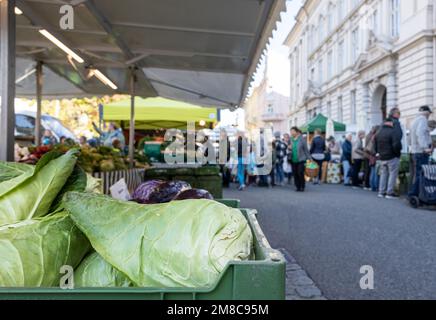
(109, 136)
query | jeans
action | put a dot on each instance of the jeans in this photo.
(346, 166)
(388, 176)
(357, 165)
(419, 159)
(299, 178)
(241, 172)
(374, 179)
(280, 173)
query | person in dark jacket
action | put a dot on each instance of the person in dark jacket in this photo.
(395, 115)
(388, 149)
(317, 151)
(346, 160)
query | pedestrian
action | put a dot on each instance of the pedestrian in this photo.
(388, 148)
(224, 153)
(395, 115)
(317, 151)
(357, 156)
(287, 168)
(371, 155)
(298, 154)
(273, 162)
(369, 159)
(251, 166)
(280, 150)
(113, 133)
(346, 158)
(421, 147)
(242, 158)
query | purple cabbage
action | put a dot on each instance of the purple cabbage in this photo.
(168, 191)
(194, 194)
(143, 193)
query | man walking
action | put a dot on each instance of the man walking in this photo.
(421, 146)
(388, 149)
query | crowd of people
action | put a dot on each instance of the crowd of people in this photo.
(366, 160)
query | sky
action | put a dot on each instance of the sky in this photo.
(276, 58)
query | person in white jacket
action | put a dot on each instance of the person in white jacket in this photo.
(421, 147)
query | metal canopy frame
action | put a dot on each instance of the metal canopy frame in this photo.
(202, 38)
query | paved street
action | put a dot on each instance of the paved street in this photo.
(332, 231)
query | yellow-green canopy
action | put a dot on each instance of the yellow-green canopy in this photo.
(159, 113)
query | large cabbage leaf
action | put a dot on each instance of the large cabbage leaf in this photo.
(10, 170)
(32, 197)
(33, 251)
(177, 244)
(94, 271)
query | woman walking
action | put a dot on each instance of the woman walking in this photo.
(318, 152)
(298, 155)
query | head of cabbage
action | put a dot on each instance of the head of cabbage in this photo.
(177, 244)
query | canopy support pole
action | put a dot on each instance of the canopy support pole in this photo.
(7, 79)
(132, 119)
(38, 102)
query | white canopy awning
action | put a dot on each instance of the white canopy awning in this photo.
(200, 51)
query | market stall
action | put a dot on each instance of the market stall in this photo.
(53, 214)
(320, 122)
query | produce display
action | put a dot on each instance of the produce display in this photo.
(194, 194)
(51, 215)
(99, 159)
(160, 191)
(176, 244)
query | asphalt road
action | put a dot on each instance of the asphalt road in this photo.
(333, 231)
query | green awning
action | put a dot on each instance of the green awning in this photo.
(320, 122)
(159, 113)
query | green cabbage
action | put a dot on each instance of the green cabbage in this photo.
(94, 271)
(11, 170)
(30, 195)
(33, 251)
(177, 244)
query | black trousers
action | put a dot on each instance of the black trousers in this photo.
(298, 172)
(367, 170)
(357, 165)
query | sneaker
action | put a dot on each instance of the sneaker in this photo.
(367, 189)
(381, 195)
(392, 197)
(242, 188)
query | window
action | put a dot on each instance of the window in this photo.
(374, 22)
(353, 107)
(340, 10)
(395, 17)
(330, 65)
(270, 108)
(340, 110)
(341, 56)
(312, 74)
(329, 110)
(355, 45)
(320, 72)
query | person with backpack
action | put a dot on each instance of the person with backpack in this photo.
(318, 153)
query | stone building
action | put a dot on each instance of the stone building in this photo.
(354, 60)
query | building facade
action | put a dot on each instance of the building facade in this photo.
(267, 109)
(354, 60)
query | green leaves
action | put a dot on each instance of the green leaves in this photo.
(178, 244)
(94, 271)
(31, 194)
(33, 251)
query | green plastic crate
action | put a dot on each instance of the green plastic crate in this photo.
(259, 279)
(156, 174)
(207, 171)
